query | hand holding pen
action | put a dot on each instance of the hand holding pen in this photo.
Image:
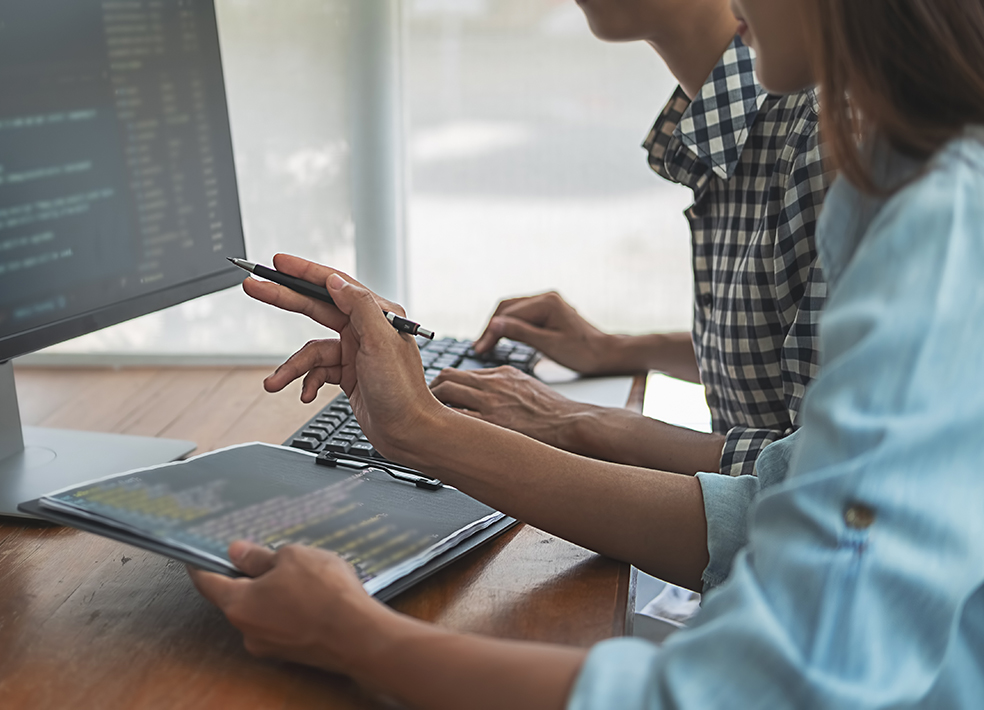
(382, 375)
(320, 293)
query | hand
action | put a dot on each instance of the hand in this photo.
(552, 326)
(514, 400)
(299, 604)
(377, 367)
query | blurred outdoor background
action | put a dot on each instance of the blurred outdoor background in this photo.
(525, 172)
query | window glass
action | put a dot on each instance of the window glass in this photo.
(527, 171)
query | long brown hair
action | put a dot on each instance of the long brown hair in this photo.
(910, 71)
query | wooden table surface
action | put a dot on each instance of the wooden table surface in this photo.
(87, 622)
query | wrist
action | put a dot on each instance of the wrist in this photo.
(582, 432)
(631, 353)
(386, 635)
(419, 443)
(608, 353)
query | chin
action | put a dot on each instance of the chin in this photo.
(781, 80)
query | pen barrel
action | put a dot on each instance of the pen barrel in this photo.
(305, 288)
(320, 293)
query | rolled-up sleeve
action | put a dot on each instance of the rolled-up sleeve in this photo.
(616, 674)
(727, 501)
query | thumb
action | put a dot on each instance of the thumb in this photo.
(358, 303)
(251, 559)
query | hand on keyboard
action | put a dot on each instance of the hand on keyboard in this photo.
(460, 354)
(513, 400)
(549, 324)
(335, 428)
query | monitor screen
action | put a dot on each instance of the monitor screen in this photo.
(117, 185)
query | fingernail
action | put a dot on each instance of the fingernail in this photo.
(336, 281)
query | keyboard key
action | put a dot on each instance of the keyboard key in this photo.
(337, 446)
(318, 434)
(305, 442)
(500, 353)
(361, 448)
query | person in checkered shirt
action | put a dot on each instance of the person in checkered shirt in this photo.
(753, 161)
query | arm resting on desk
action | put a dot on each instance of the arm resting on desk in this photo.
(514, 400)
(308, 606)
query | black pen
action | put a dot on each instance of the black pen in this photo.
(306, 288)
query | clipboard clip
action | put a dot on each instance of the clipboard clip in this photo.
(326, 458)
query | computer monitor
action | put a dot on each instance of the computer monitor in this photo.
(117, 198)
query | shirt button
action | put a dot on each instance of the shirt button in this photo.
(859, 517)
(707, 300)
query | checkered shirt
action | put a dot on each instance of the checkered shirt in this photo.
(753, 161)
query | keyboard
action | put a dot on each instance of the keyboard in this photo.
(334, 430)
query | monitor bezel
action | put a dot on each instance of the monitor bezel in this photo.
(43, 336)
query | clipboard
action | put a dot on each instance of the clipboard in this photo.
(358, 512)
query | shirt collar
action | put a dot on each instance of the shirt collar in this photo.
(848, 213)
(717, 123)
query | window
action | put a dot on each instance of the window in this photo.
(525, 171)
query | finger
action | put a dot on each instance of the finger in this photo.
(315, 379)
(216, 588)
(315, 354)
(287, 300)
(524, 332)
(506, 303)
(458, 395)
(250, 558)
(318, 274)
(469, 378)
(471, 413)
(535, 310)
(360, 305)
(488, 338)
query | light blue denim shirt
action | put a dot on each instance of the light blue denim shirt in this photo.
(860, 581)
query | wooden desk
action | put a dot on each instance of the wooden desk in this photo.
(86, 622)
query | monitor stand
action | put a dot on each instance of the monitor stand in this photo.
(35, 461)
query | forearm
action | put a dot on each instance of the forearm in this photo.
(427, 667)
(671, 353)
(630, 438)
(652, 519)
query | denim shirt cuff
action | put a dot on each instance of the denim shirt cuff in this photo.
(726, 503)
(617, 674)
